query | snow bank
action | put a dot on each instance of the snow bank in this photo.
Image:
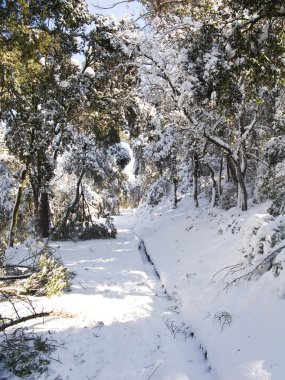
(201, 256)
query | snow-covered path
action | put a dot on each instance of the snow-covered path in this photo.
(120, 331)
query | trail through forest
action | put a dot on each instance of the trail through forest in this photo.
(126, 327)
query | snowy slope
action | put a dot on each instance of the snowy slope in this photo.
(240, 325)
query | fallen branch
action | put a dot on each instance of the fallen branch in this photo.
(264, 266)
(231, 269)
(34, 316)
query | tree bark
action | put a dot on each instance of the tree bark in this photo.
(242, 192)
(237, 167)
(214, 186)
(71, 208)
(16, 208)
(195, 178)
(175, 186)
(220, 190)
(44, 215)
(231, 167)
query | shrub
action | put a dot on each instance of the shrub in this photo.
(24, 353)
(52, 277)
(84, 231)
(158, 191)
(228, 198)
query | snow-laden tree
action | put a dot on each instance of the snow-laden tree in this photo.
(37, 40)
(32, 30)
(64, 97)
(209, 71)
(79, 196)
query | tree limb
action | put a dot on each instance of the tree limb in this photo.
(218, 142)
(263, 266)
(113, 5)
(34, 316)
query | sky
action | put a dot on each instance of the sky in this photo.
(131, 9)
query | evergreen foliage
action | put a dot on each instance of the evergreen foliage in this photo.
(60, 109)
(217, 81)
(201, 95)
(51, 278)
(24, 353)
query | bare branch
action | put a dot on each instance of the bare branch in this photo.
(258, 159)
(114, 5)
(262, 267)
(220, 143)
(253, 20)
(248, 129)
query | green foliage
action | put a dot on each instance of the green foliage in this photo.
(31, 30)
(85, 231)
(273, 188)
(47, 100)
(7, 188)
(228, 197)
(267, 7)
(51, 278)
(37, 40)
(177, 8)
(23, 353)
(233, 71)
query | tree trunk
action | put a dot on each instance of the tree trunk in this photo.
(220, 190)
(71, 208)
(214, 186)
(16, 208)
(175, 185)
(195, 178)
(237, 165)
(231, 166)
(44, 218)
(242, 193)
(36, 198)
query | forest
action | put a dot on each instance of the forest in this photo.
(198, 93)
(190, 95)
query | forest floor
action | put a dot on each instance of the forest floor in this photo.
(126, 326)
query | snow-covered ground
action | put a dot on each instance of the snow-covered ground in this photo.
(125, 325)
(240, 325)
(186, 322)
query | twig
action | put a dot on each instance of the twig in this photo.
(266, 263)
(81, 285)
(114, 5)
(230, 267)
(224, 318)
(56, 360)
(153, 372)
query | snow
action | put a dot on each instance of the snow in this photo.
(191, 249)
(89, 72)
(121, 317)
(191, 322)
(280, 169)
(129, 169)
